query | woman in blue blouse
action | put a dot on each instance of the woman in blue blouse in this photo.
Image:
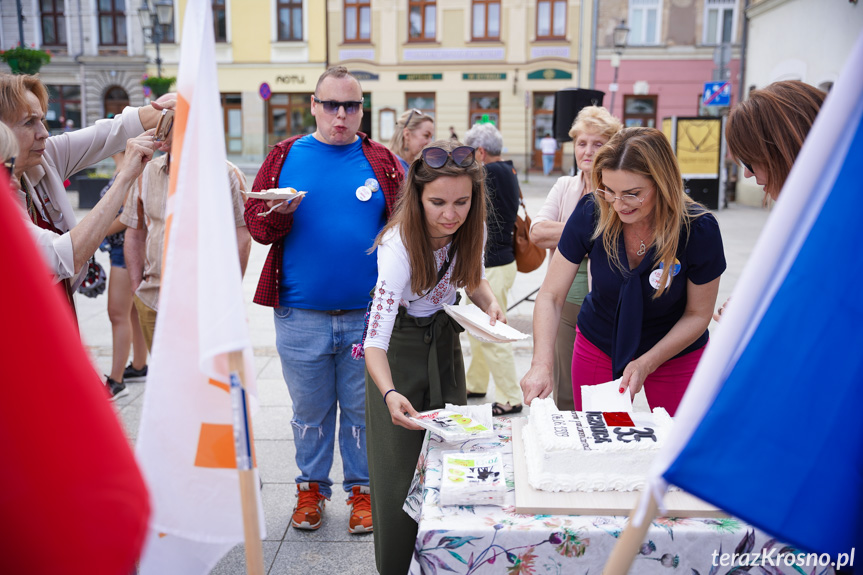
(656, 260)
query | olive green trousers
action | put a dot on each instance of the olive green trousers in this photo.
(428, 368)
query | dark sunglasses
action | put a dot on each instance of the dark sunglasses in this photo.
(332, 106)
(748, 167)
(462, 156)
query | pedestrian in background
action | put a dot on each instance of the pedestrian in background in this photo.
(502, 190)
(548, 147)
(413, 132)
(592, 128)
(317, 278)
(432, 246)
(126, 330)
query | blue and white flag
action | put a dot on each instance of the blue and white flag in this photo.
(771, 428)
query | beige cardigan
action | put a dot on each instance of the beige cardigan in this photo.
(65, 155)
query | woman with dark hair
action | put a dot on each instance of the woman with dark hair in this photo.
(765, 132)
(432, 245)
(655, 259)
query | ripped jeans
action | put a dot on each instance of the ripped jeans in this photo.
(315, 349)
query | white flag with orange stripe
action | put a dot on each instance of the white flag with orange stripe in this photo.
(186, 439)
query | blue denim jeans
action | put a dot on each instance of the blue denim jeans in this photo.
(547, 163)
(315, 349)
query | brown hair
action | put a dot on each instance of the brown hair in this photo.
(412, 119)
(409, 215)
(768, 129)
(13, 94)
(646, 152)
(337, 72)
(595, 119)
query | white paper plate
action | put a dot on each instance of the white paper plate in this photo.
(276, 194)
(475, 321)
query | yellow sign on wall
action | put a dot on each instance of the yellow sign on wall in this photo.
(698, 147)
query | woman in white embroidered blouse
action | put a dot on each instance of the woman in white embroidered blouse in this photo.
(432, 245)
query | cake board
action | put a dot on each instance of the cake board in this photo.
(530, 501)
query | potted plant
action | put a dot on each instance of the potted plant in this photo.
(23, 60)
(159, 85)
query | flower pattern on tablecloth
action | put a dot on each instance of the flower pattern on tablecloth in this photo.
(489, 539)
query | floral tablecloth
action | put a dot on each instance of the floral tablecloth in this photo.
(489, 539)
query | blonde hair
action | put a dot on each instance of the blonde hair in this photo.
(8, 143)
(595, 119)
(409, 215)
(13, 95)
(646, 152)
(412, 119)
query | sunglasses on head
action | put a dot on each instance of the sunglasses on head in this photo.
(463, 156)
(411, 116)
(332, 106)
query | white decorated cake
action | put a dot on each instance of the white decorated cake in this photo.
(593, 450)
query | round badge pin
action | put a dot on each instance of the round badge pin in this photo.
(655, 275)
(364, 194)
(372, 184)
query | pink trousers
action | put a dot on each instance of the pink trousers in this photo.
(663, 388)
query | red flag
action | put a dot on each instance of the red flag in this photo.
(72, 499)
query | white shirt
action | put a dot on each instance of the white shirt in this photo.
(393, 288)
(548, 145)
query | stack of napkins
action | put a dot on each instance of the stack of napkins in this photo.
(472, 478)
(457, 423)
(476, 322)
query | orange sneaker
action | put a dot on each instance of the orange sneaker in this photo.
(361, 510)
(309, 511)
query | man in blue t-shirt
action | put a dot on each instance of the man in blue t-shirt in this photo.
(317, 277)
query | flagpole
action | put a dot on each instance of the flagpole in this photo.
(248, 482)
(628, 545)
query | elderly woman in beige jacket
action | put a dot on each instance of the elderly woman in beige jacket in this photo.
(44, 163)
(592, 128)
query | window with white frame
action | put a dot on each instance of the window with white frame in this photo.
(645, 19)
(719, 18)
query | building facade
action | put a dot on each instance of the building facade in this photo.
(97, 60)
(674, 47)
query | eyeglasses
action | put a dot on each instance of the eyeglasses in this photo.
(332, 106)
(463, 156)
(627, 199)
(747, 166)
(414, 111)
(10, 165)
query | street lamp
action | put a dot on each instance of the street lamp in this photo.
(155, 21)
(621, 32)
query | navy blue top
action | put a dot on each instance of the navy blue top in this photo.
(619, 315)
(325, 265)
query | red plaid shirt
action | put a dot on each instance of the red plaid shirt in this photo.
(273, 228)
